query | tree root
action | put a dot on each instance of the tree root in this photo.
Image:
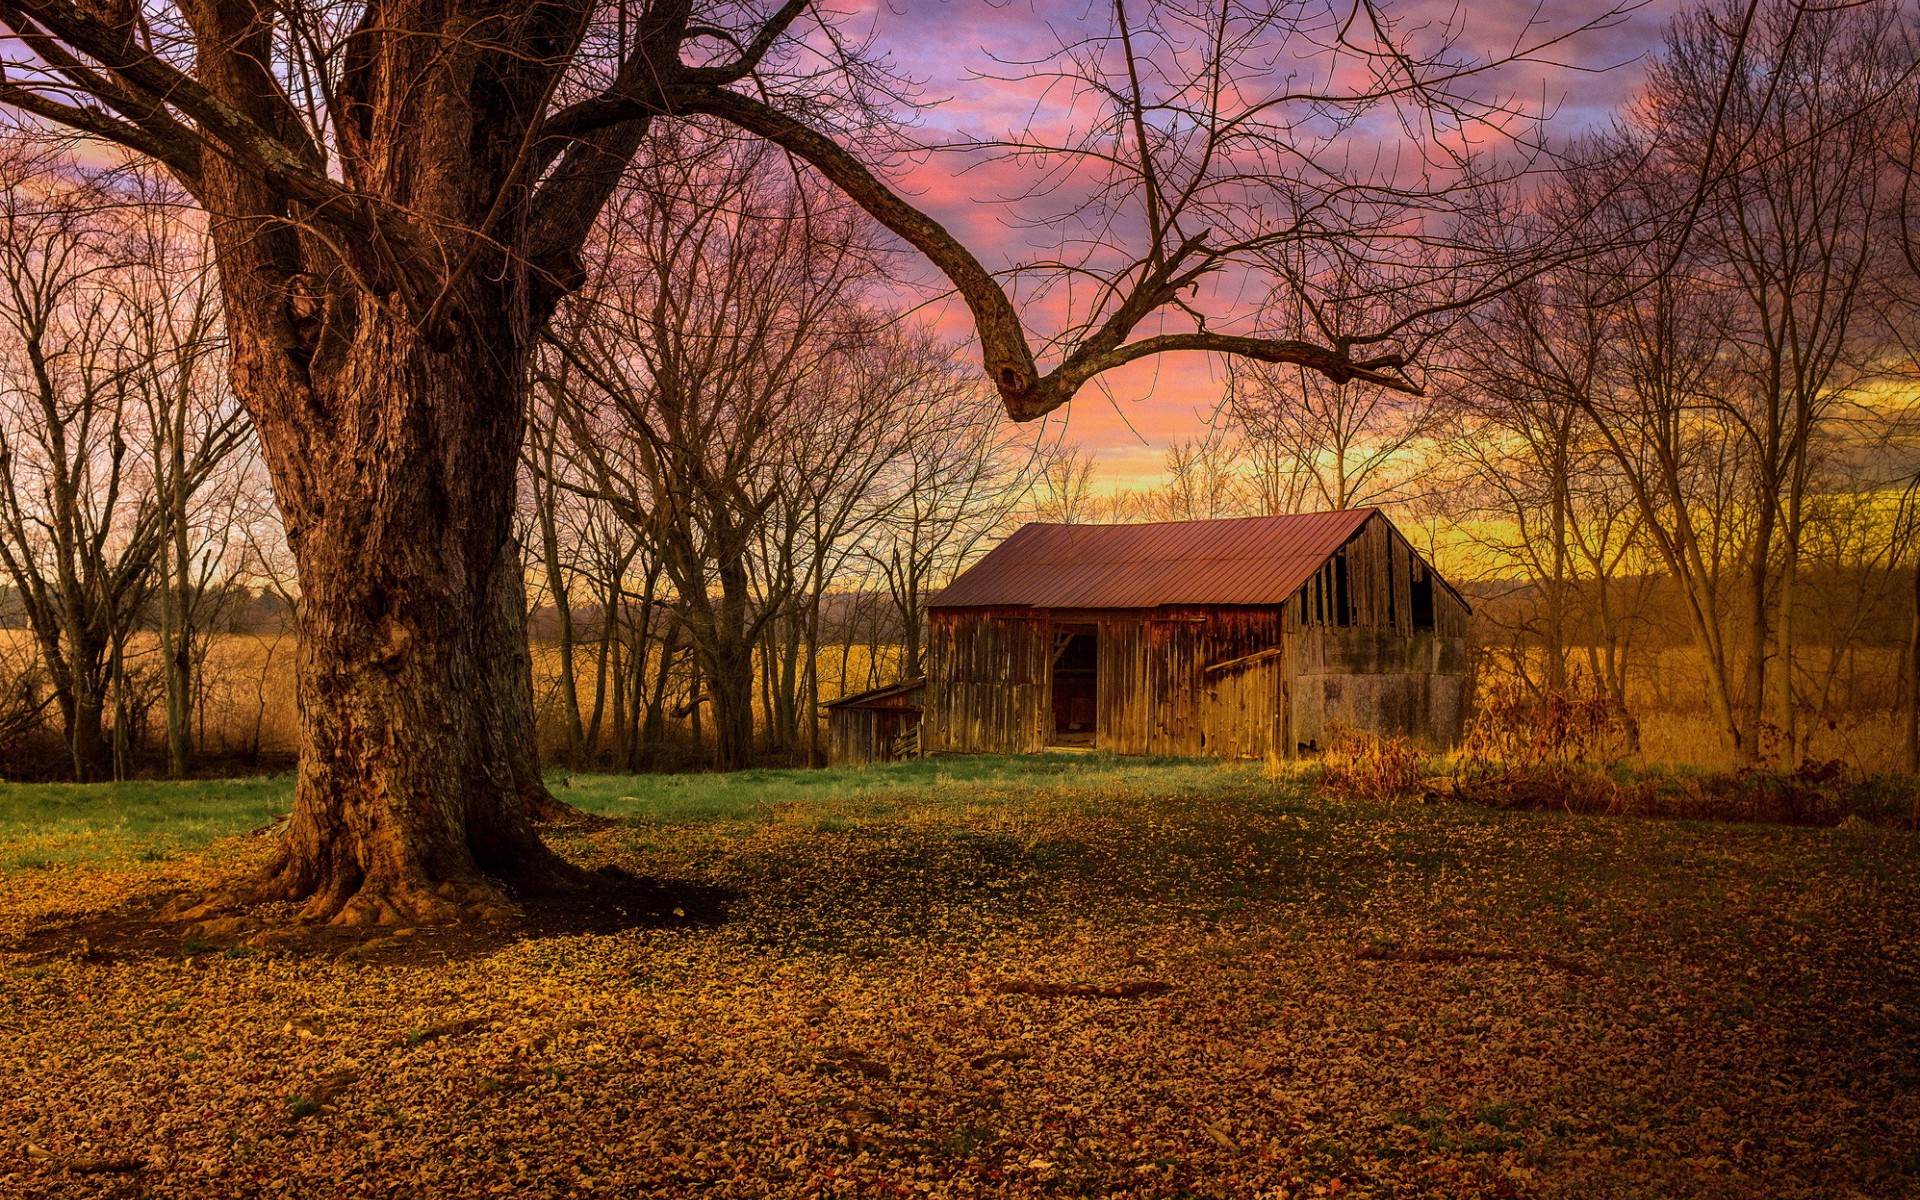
(545, 808)
(348, 898)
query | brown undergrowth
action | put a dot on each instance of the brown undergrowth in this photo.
(1572, 752)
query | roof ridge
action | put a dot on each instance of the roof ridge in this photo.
(1327, 512)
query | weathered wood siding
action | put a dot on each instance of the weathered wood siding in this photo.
(1247, 710)
(987, 681)
(1157, 697)
(1392, 665)
(990, 683)
(856, 736)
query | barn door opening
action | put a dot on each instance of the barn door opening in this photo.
(1076, 674)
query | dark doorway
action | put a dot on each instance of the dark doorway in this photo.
(1076, 673)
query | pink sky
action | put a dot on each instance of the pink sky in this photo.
(1133, 414)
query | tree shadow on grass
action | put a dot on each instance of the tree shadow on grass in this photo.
(139, 928)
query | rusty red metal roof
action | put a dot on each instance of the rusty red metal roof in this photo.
(880, 697)
(1236, 560)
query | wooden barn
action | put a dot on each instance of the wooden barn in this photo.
(1235, 638)
(875, 726)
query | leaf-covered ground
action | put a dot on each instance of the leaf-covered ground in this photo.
(1063, 979)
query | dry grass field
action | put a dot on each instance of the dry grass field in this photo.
(1064, 976)
(249, 681)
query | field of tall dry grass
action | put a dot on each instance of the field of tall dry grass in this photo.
(1667, 694)
(250, 706)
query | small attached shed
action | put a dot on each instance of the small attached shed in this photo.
(1235, 638)
(875, 726)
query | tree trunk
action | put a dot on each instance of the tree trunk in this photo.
(175, 570)
(602, 665)
(418, 772)
(729, 670)
(1557, 639)
(87, 739)
(563, 616)
(179, 668)
(730, 684)
(621, 666)
(695, 698)
(815, 756)
(1913, 679)
(1759, 625)
(1786, 711)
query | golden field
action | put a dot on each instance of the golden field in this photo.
(249, 700)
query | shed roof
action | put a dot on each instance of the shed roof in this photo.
(1236, 560)
(879, 697)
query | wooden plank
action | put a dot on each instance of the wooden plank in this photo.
(1245, 660)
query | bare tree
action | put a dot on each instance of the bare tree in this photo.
(546, 499)
(1634, 343)
(899, 462)
(726, 291)
(954, 481)
(193, 428)
(1903, 308)
(1531, 483)
(1346, 446)
(1063, 490)
(1201, 482)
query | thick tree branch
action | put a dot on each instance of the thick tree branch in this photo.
(753, 53)
(180, 157)
(126, 101)
(584, 149)
(1385, 370)
(1009, 362)
(636, 87)
(1007, 357)
(223, 127)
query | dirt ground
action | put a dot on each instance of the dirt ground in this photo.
(1225, 990)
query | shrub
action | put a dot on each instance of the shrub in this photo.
(1517, 726)
(24, 701)
(1534, 749)
(1371, 767)
(1813, 793)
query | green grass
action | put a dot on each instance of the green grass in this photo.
(960, 781)
(47, 825)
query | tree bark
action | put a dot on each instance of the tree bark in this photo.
(730, 684)
(383, 362)
(1759, 623)
(174, 567)
(729, 672)
(418, 777)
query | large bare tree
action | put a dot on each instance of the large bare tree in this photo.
(398, 192)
